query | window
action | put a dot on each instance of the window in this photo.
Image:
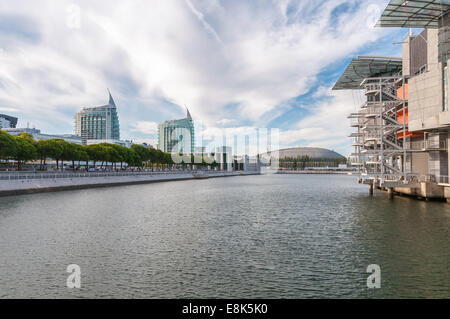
(421, 70)
(445, 83)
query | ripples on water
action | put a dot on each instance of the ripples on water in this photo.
(242, 237)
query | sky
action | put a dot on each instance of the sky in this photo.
(236, 64)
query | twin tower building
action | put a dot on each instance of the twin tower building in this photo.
(101, 125)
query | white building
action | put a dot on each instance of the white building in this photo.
(38, 136)
(7, 121)
(115, 142)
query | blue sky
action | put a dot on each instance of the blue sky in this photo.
(236, 64)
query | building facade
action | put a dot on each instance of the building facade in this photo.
(127, 144)
(7, 121)
(402, 130)
(98, 123)
(177, 136)
(38, 136)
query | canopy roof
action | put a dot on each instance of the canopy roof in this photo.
(414, 13)
(364, 67)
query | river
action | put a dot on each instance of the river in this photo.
(272, 236)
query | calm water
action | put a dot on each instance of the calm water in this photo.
(246, 237)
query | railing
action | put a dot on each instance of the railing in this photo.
(443, 179)
(372, 135)
(356, 122)
(411, 178)
(428, 145)
(61, 175)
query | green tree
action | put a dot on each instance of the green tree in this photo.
(65, 154)
(81, 154)
(96, 153)
(142, 152)
(110, 153)
(122, 154)
(26, 149)
(8, 145)
(44, 148)
(133, 158)
(74, 152)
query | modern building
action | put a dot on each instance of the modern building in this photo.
(402, 128)
(7, 121)
(38, 136)
(311, 152)
(300, 158)
(177, 136)
(224, 156)
(98, 123)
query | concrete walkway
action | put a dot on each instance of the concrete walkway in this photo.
(32, 186)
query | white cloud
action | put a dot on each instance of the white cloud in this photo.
(201, 17)
(227, 60)
(327, 125)
(149, 128)
(149, 141)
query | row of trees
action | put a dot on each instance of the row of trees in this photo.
(24, 148)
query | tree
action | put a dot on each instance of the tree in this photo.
(8, 145)
(26, 149)
(74, 152)
(133, 159)
(142, 152)
(122, 154)
(167, 159)
(96, 153)
(81, 154)
(64, 152)
(110, 153)
(44, 148)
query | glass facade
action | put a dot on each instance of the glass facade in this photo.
(177, 136)
(7, 121)
(98, 123)
(445, 104)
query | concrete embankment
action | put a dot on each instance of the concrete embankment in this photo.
(33, 186)
(315, 172)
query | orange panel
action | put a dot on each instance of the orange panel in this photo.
(400, 92)
(408, 133)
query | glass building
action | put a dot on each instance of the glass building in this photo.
(98, 123)
(177, 136)
(7, 121)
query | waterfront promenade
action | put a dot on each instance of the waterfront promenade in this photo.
(18, 183)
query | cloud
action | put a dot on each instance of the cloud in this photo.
(327, 124)
(149, 141)
(236, 61)
(149, 128)
(201, 18)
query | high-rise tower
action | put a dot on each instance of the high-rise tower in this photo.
(98, 123)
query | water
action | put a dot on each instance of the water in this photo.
(241, 237)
